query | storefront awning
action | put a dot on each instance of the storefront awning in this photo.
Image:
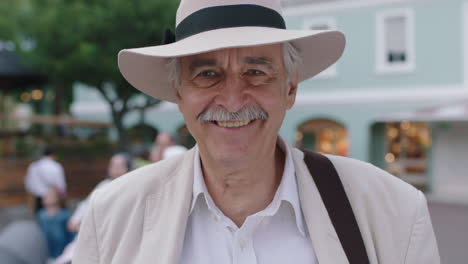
(453, 112)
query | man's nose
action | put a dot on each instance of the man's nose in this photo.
(233, 94)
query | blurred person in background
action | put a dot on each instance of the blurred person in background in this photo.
(141, 158)
(119, 164)
(162, 142)
(44, 174)
(53, 223)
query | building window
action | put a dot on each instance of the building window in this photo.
(407, 151)
(323, 135)
(395, 41)
(325, 23)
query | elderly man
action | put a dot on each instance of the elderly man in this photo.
(242, 195)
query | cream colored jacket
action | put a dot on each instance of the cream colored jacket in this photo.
(141, 217)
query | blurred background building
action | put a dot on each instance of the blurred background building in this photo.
(399, 93)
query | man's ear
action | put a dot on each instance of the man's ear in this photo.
(176, 91)
(177, 95)
(291, 96)
(292, 89)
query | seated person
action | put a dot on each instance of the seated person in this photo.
(53, 223)
(119, 164)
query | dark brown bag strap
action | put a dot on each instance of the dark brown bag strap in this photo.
(339, 209)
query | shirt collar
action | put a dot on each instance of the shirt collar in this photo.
(287, 190)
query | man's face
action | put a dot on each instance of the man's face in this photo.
(231, 80)
(51, 198)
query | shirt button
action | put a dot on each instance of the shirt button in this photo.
(242, 244)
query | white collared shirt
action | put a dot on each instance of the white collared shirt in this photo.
(277, 234)
(44, 174)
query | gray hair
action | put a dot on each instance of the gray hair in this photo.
(291, 58)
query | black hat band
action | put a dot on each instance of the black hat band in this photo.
(229, 16)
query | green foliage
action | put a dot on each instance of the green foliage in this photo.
(78, 41)
(9, 10)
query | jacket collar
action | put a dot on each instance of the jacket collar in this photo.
(286, 192)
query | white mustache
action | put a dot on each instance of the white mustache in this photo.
(220, 114)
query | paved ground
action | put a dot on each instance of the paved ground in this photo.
(23, 212)
(10, 214)
(450, 223)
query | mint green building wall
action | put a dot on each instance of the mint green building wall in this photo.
(439, 62)
(377, 145)
(438, 47)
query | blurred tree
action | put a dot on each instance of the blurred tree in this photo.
(78, 41)
(8, 18)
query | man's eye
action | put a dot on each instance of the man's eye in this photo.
(255, 72)
(257, 77)
(208, 73)
(207, 78)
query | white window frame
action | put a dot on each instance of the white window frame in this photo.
(382, 65)
(331, 71)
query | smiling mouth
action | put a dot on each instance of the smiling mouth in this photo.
(237, 123)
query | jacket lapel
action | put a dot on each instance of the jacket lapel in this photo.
(166, 215)
(324, 238)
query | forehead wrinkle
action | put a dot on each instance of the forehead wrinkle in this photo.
(201, 62)
(259, 60)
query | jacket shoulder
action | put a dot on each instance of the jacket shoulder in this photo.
(121, 213)
(363, 177)
(139, 183)
(379, 201)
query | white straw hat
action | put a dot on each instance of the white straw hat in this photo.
(207, 25)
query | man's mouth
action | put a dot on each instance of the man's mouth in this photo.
(237, 123)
